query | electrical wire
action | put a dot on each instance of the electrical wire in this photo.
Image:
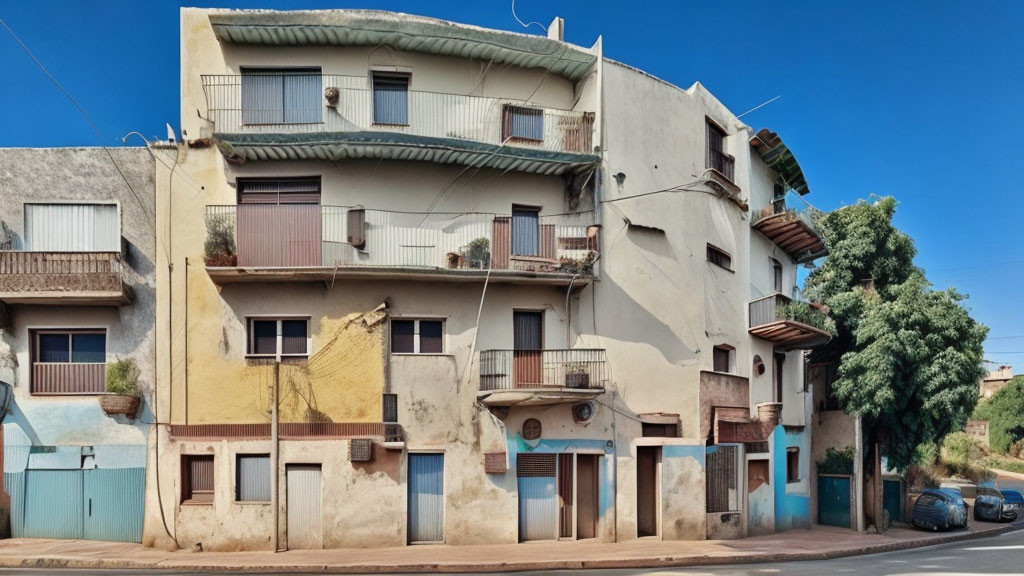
(151, 218)
(525, 24)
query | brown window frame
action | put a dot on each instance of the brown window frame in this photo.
(278, 320)
(716, 353)
(792, 465)
(241, 183)
(728, 161)
(188, 494)
(416, 342)
(34, 349)
(778, 276)
(719, 257)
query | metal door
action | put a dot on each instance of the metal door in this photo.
(834, 501)
(538, 497)
(305, 519)
(53, 504)
(114, 501)
(426, 497)
(891, 497)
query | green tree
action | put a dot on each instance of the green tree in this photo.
(1005, 414)
(909, 356)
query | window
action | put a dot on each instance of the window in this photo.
(719, 257)
(391, 99)
(779, 375)
(722, 478)
(252, 478)
(522, 123)
(69, 362)
(777, 275)
(722, 357)
(197, 479)
(281, 96)
(652, 430)
(792, 465)
(716, 157)
(279, 190)
(525, 231)
(417, 336)
(274, 337)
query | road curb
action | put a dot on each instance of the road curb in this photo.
(539, 565)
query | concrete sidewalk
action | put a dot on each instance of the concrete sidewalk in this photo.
(820, 543)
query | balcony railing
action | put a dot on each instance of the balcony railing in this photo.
(573, 369)
(309, 235)
(62, 275)
(337, 103)
(792, 223)
(67, 378)
(775, 319)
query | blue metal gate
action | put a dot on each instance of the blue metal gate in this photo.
(53, 504)
(834, 501)
(426, 497)
(114, 504)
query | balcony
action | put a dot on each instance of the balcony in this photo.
(332, 117)
(790, 223)
(789, 324)
(298, 242)
(81, 278)
(540, 377)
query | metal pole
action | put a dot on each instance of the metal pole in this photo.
(275, 458)
(859, 480)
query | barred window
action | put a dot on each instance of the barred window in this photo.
(197, 479)
(722, 469)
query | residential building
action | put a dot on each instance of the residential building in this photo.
(77, 295)
(455, 285)
(998, 377)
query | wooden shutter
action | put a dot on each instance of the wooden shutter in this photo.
(502, 248)
(547, 241)
(495, 463)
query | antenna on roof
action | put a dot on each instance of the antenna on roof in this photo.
(759, 106)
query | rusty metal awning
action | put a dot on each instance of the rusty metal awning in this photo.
(778, 157)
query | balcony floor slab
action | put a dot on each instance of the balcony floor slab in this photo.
(543, 396)
(237, 275)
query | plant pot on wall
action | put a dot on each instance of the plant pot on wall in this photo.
(577, 380)
(120, 405)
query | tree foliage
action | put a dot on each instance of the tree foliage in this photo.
(1005, 414)
(909, 356)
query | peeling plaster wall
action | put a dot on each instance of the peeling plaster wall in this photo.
(83, 175)
(682, 492)
(792, 500)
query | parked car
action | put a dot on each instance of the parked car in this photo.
(958, 497)
(941, 509)
(991, 508)
(1014, 500)
(988, 487)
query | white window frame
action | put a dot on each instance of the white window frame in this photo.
(416, 335)
(250, 342)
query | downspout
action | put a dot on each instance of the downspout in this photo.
(186, 341)
(275, 457)
(859, 469)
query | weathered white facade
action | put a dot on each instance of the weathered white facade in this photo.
(564, 385)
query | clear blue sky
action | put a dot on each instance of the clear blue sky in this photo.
(920, 101)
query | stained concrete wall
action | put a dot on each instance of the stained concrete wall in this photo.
(82, 175)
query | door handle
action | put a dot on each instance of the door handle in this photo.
(90, 506)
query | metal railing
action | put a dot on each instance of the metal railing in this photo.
(338, 103)
(773, 308)
(578, 368)
(61, 271)
(309, 235)
(724, 163)
(69, 378)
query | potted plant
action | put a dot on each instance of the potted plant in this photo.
(219, 248)
(123, 396)
(576, 376)
(478, 253)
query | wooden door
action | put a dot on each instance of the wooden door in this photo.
(586, 495)
(648, 460)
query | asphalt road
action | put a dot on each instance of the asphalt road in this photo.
(982, 557)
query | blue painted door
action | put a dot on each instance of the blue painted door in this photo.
(426, 497)
(834, 501)
(891, 496)
(114, 504)
(53, 504)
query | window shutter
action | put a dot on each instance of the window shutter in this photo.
(356, 227)
(361, 450)
(390, 402)
(495, 463)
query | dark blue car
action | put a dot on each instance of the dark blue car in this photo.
(940, 510)
(1014, 500)
(992, 508)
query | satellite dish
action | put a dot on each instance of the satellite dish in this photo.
(170, 134)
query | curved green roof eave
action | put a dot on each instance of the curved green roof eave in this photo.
(402, 32)
(334, 146)
(778, 157)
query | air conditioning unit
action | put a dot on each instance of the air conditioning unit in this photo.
(361, 450)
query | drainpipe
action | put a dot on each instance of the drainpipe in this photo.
(275, 458)
(859, 489)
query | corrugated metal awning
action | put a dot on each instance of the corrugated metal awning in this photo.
(334, 146)
(778, 157)
(402, 32)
